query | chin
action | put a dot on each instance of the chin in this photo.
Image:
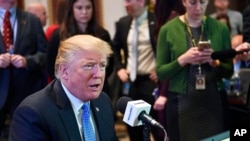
(96, 94)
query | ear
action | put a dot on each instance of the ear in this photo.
(63, 71)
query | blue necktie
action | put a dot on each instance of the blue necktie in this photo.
(88, 131)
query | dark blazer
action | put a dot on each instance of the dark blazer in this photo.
(246, 30)
(246, 24)
(121, 35)
(30, 43)
(48, 116)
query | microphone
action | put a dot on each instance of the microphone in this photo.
(136, 112)
(229, 53)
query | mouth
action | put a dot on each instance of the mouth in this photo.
(95, 86)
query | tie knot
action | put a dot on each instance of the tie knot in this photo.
(85, 108)
(7, 14)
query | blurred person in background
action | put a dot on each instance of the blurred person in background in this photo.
(224, 19)
(22, 58)
(134, 36)
(38, 10)
(194, 110)
(164, 11)
(235, 17)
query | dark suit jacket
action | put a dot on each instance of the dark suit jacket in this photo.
(246, 24)
(48, 116)
(243, 65)
(30, 43)
(121, 35)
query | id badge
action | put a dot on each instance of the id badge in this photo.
(200, 82)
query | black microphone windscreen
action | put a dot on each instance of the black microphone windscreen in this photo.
(122, 103)
(230, 53)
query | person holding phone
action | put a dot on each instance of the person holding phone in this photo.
(194, 111)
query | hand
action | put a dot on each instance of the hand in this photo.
(18, 61)
(153, 76)
(160, 103)
(192, 56)
(4, 60)
(246, 55)
(206, 57)
(214, 63)
(123, 75)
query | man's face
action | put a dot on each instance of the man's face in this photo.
(221, 4)
(84, 76)
(43, 16)
(7, 2)
(133, 7)
(39, 11)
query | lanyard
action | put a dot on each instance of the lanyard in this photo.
(190, 32)
(193, 39)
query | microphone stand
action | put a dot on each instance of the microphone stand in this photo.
(146, 132)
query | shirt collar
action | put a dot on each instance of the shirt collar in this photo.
(12, 11)
(75, 102)
(142, 17)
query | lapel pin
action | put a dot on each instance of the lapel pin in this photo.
(97, 109)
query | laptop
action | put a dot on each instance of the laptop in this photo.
(244, 74)
(242, 98)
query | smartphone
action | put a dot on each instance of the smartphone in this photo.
(204, 44)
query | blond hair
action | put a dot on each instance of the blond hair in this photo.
(69, 47)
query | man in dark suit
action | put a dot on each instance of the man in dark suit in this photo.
(142, 85)
(240, 114)
(245, 58)
(22, 61)
(55, 112)
(246, 24)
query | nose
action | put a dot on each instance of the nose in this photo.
(198, 6)
(84, 10)
(98, 71)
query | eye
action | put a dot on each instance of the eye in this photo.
(88, 7)
(193, 2)
(103, 66)
(88, 67)
(203, 1)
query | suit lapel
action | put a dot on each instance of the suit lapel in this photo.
(2, 49)
(66, 114)
(21, 27)
(69, 121)
(99, 118)
(126, 29)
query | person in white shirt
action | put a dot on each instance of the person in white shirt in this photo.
(235, 17)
